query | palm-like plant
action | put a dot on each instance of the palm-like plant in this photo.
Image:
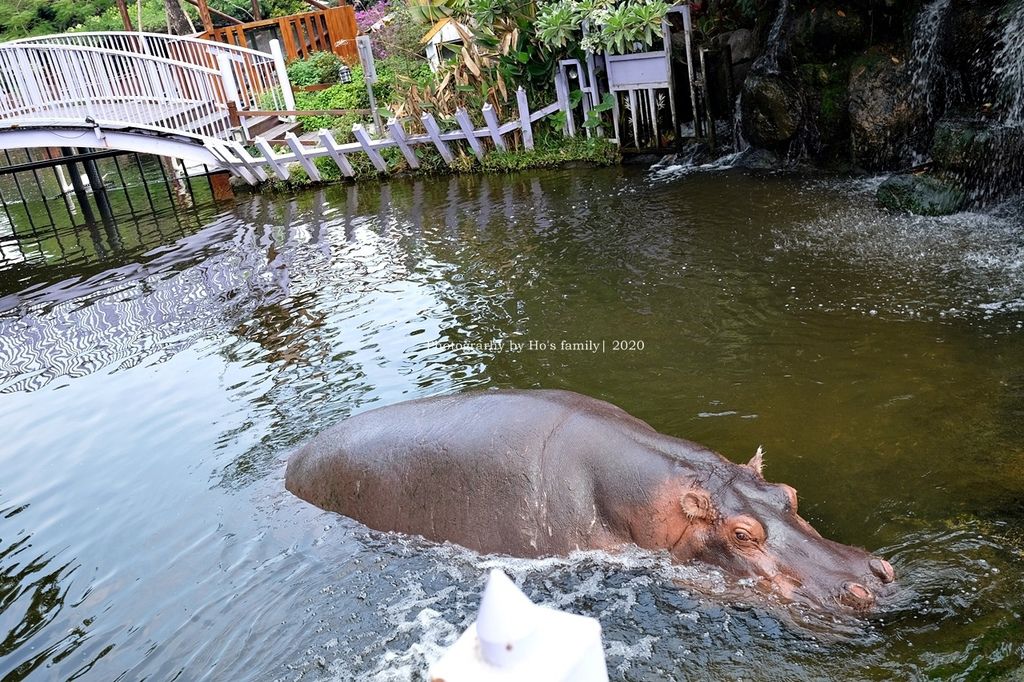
(429, 11)
(557, 23)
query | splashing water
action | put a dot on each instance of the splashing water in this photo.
(1010, 69)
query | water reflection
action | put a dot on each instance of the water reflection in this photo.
(33, 590)
(151, 393)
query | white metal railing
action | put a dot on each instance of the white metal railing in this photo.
(257, 76)
(67, 83)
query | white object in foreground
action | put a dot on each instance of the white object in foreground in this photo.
(515, 639)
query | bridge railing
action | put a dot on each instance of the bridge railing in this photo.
(259, 77)
(72, 84)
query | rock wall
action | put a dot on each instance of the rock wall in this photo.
(887, 85)
(862, 83)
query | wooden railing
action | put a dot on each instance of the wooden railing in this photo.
(329, 30)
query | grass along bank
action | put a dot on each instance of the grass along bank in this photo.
(548, 153)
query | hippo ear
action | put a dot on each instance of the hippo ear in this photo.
(696, 504)
(757, 462)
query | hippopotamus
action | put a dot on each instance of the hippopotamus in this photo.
(533, 473)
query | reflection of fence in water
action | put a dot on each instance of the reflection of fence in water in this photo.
(42, 216)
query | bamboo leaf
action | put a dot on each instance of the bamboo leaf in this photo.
(470, 63)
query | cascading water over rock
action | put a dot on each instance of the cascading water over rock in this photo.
(925, 57)
(768, 63)
(1010, 67)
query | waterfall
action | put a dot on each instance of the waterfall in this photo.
(739, 142)
(769, 61)
(1010, 67)
(925, 58)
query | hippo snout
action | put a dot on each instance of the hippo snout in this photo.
(857, 595)
(882, 570)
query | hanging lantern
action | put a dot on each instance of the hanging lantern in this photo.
(344, 74)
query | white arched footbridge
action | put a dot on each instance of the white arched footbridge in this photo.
(140, 92)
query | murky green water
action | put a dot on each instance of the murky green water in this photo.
(151, 392)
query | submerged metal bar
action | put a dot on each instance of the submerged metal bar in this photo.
(42, 195)
(124, 186)
(21, 195)
(78, 187)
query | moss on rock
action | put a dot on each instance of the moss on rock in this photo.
(924, 194)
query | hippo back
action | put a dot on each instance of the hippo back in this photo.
(461, 467)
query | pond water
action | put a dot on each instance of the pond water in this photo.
(152, 388)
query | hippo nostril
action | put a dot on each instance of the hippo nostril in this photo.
(882, 569)
(858, 595)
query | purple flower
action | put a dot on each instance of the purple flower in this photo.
(370, 15)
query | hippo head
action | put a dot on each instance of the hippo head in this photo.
(750, 528)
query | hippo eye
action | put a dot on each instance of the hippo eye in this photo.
(742, 536)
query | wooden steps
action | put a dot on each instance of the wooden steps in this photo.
(275, 134)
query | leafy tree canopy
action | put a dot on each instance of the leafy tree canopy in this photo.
(22, 18)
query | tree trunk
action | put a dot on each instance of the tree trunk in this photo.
(178, 22)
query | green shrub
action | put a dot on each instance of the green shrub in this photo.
(320, 68)
(339, 96)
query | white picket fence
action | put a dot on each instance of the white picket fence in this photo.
(258, 168)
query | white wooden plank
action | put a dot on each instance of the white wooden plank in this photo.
(491, 119)
(293, 143)
(654, 114)
(546, 111)
(562, 92)
(272, 160)
(460, 135)
(331, 145)
(634, 114)
(249, 162)
(524, 117)
(434, 133)
(398, 135)
(371, 151)
(616, 114)
(232, 164)
(469, 134)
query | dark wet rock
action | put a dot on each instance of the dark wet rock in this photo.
(772, 110)
(977, 29)
(924, 194)
(742, 47)
(758, 159)
(987, 157)
(884, 118)
(972, 145)
(642, 159)
(829, 31)
(826, 100)
(741, 43)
